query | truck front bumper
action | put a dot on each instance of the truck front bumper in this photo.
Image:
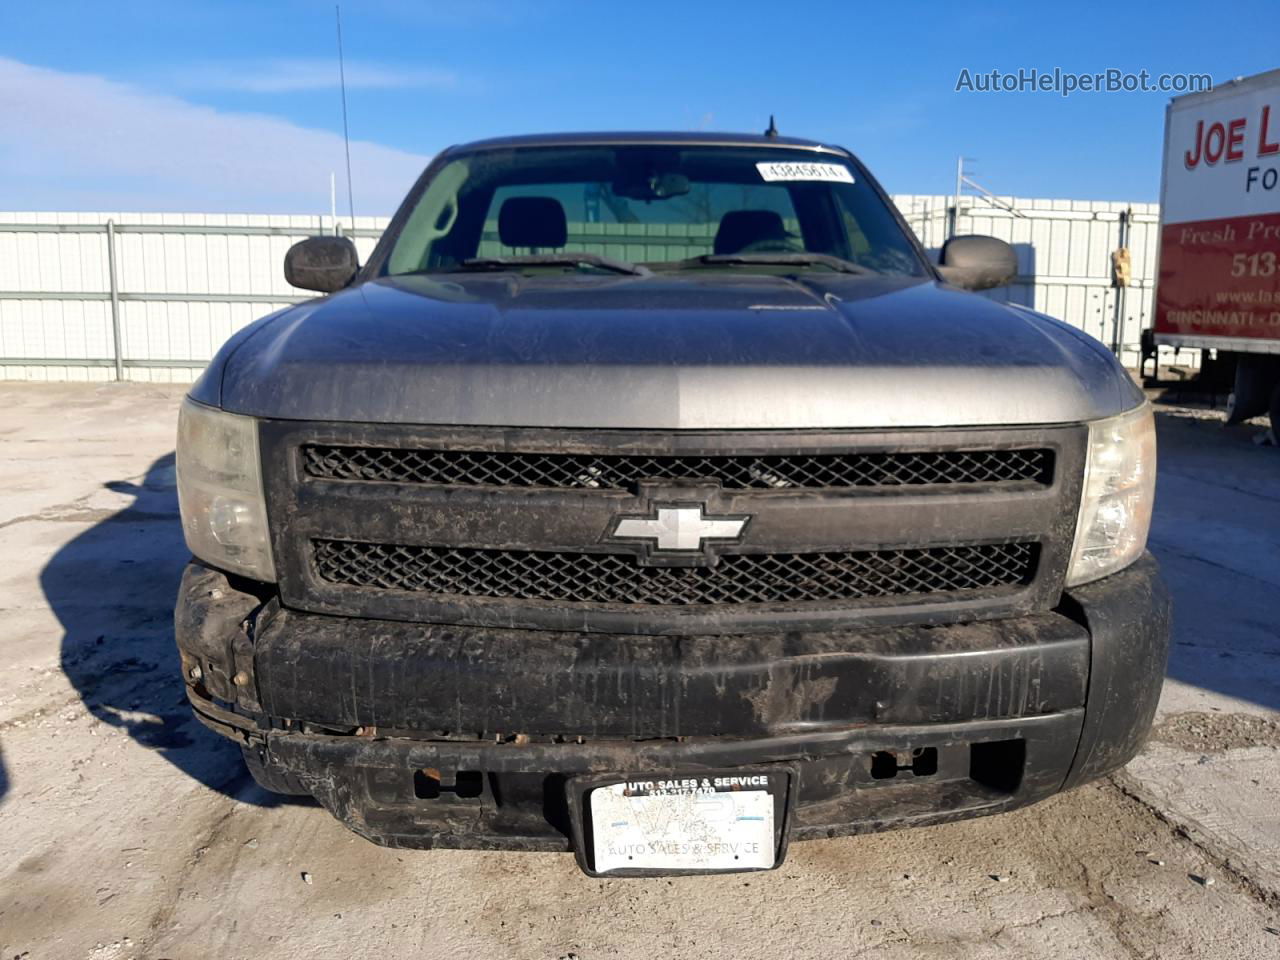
(421, 735)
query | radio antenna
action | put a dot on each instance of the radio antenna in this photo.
(346, 135)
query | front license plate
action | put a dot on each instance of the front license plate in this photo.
(692, 823)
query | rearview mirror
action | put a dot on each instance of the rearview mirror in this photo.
(325, 264)
(654, 186)
(977, 263)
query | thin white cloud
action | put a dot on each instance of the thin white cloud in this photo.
(301, 75)
(74, 141)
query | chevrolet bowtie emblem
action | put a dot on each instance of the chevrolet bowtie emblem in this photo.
(678, 528)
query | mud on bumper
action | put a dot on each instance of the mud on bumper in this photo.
(419, 735)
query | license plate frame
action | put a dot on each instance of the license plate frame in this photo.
(781, 785)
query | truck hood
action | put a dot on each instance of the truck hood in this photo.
(696, 350)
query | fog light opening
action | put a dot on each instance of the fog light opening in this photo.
(998, 764)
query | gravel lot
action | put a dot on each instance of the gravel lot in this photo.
(128, 831)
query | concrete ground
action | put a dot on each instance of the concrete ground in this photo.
(128, 831)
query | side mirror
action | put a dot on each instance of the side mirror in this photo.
(325, 264)
(977, 263)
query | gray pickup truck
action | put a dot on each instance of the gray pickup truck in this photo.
(654, 497)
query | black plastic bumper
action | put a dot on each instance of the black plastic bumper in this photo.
(421, 735)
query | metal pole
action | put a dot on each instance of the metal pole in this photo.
(1117, 327)
(955, 210)
(115, 299)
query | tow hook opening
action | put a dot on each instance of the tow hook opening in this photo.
(428, 784)
(920, 762)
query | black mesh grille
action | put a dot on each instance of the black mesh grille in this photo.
(584, 470)
(614, 578)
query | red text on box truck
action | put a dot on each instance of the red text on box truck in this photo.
(1219, 282)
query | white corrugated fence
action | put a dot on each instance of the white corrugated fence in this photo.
(183, 283)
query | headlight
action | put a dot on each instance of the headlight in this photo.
(1119, 487)
(224, 517)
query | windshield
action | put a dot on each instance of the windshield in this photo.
(663, 207)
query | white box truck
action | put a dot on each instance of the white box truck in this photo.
(1219, 279)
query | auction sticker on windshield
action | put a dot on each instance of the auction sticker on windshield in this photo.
(831, 172)
(713, 822)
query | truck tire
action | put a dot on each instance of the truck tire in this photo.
(1275, 416)
(271, 776)
(1257, 376)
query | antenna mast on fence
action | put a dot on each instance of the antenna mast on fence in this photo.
(964, 180)
(346, 136)
(953, 221)
(333, 203)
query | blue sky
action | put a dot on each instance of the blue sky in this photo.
(169, 105)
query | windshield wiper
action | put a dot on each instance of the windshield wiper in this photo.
(838, 264)
(553, 260)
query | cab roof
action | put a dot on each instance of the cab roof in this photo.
(647, 136)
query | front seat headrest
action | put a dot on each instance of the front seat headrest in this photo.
(741, 228)
(532, 222)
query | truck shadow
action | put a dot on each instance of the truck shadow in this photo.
(112, 589)
(1216, 533)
